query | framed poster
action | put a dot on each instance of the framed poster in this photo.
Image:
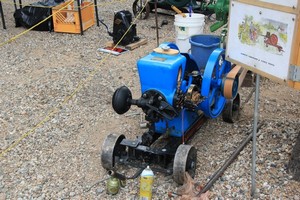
(261, 39)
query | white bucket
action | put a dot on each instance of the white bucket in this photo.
(186, 27)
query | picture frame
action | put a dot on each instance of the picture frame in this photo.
(265, 39)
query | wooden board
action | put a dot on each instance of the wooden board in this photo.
(136, 44)
(296, 56)
(129, 46)
(290, 6)
(168, 52)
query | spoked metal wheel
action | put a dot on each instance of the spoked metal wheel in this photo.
(111, 149)
(138, 6)
(216, 68)
(184, 161)
(231, 110)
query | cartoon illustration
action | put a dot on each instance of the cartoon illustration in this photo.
(272, 39)
(266, 34)
(253, 32)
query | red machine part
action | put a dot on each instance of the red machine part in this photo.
(272, 40)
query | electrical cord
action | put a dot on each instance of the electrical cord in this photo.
(109, 33)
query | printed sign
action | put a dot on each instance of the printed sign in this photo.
(261, 38)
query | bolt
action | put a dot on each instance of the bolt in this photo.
(193, 166)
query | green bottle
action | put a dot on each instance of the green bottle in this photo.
(113, 185)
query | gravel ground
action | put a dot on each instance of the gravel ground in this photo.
(55, 105)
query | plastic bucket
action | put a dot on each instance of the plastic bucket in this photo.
(187, 26)
(202, 46)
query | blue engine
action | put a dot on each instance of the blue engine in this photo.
(175, 91)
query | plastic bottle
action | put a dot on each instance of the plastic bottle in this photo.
(146, 183)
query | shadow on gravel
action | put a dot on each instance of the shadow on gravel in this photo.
(294, 163)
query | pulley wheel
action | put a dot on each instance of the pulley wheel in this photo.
(138, 6)
(231, 83)
(211, 89)
(111, 148)
(231, 110)
(184, 161)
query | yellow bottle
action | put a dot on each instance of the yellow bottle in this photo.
(146, 184)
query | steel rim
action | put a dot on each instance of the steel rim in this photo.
(137, 6)
(110, 149)
(184, 161)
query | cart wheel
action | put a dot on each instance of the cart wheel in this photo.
(211, 89)
(138, 5)
(231, 110)
(110, 149)
(185, 161)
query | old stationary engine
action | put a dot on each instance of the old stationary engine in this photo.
(176, 97)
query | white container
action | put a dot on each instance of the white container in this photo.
(186, 27)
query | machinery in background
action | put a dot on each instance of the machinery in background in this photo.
(220, 8)
(207, 7)
(177, 97)
(182, 5)
(124, 31)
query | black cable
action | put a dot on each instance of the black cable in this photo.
(109, 33)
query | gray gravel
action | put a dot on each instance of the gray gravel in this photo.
(58, 139)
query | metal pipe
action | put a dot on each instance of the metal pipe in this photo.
(96, 11)
(256, 116)
(156, 24)
(15, 5)
(2, 15)
(116, 175)
(80, 16)
(20, 4)
(141, 6)
(227, 163)
(123, 177)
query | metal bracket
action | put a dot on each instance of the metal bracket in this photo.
(294, 73)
